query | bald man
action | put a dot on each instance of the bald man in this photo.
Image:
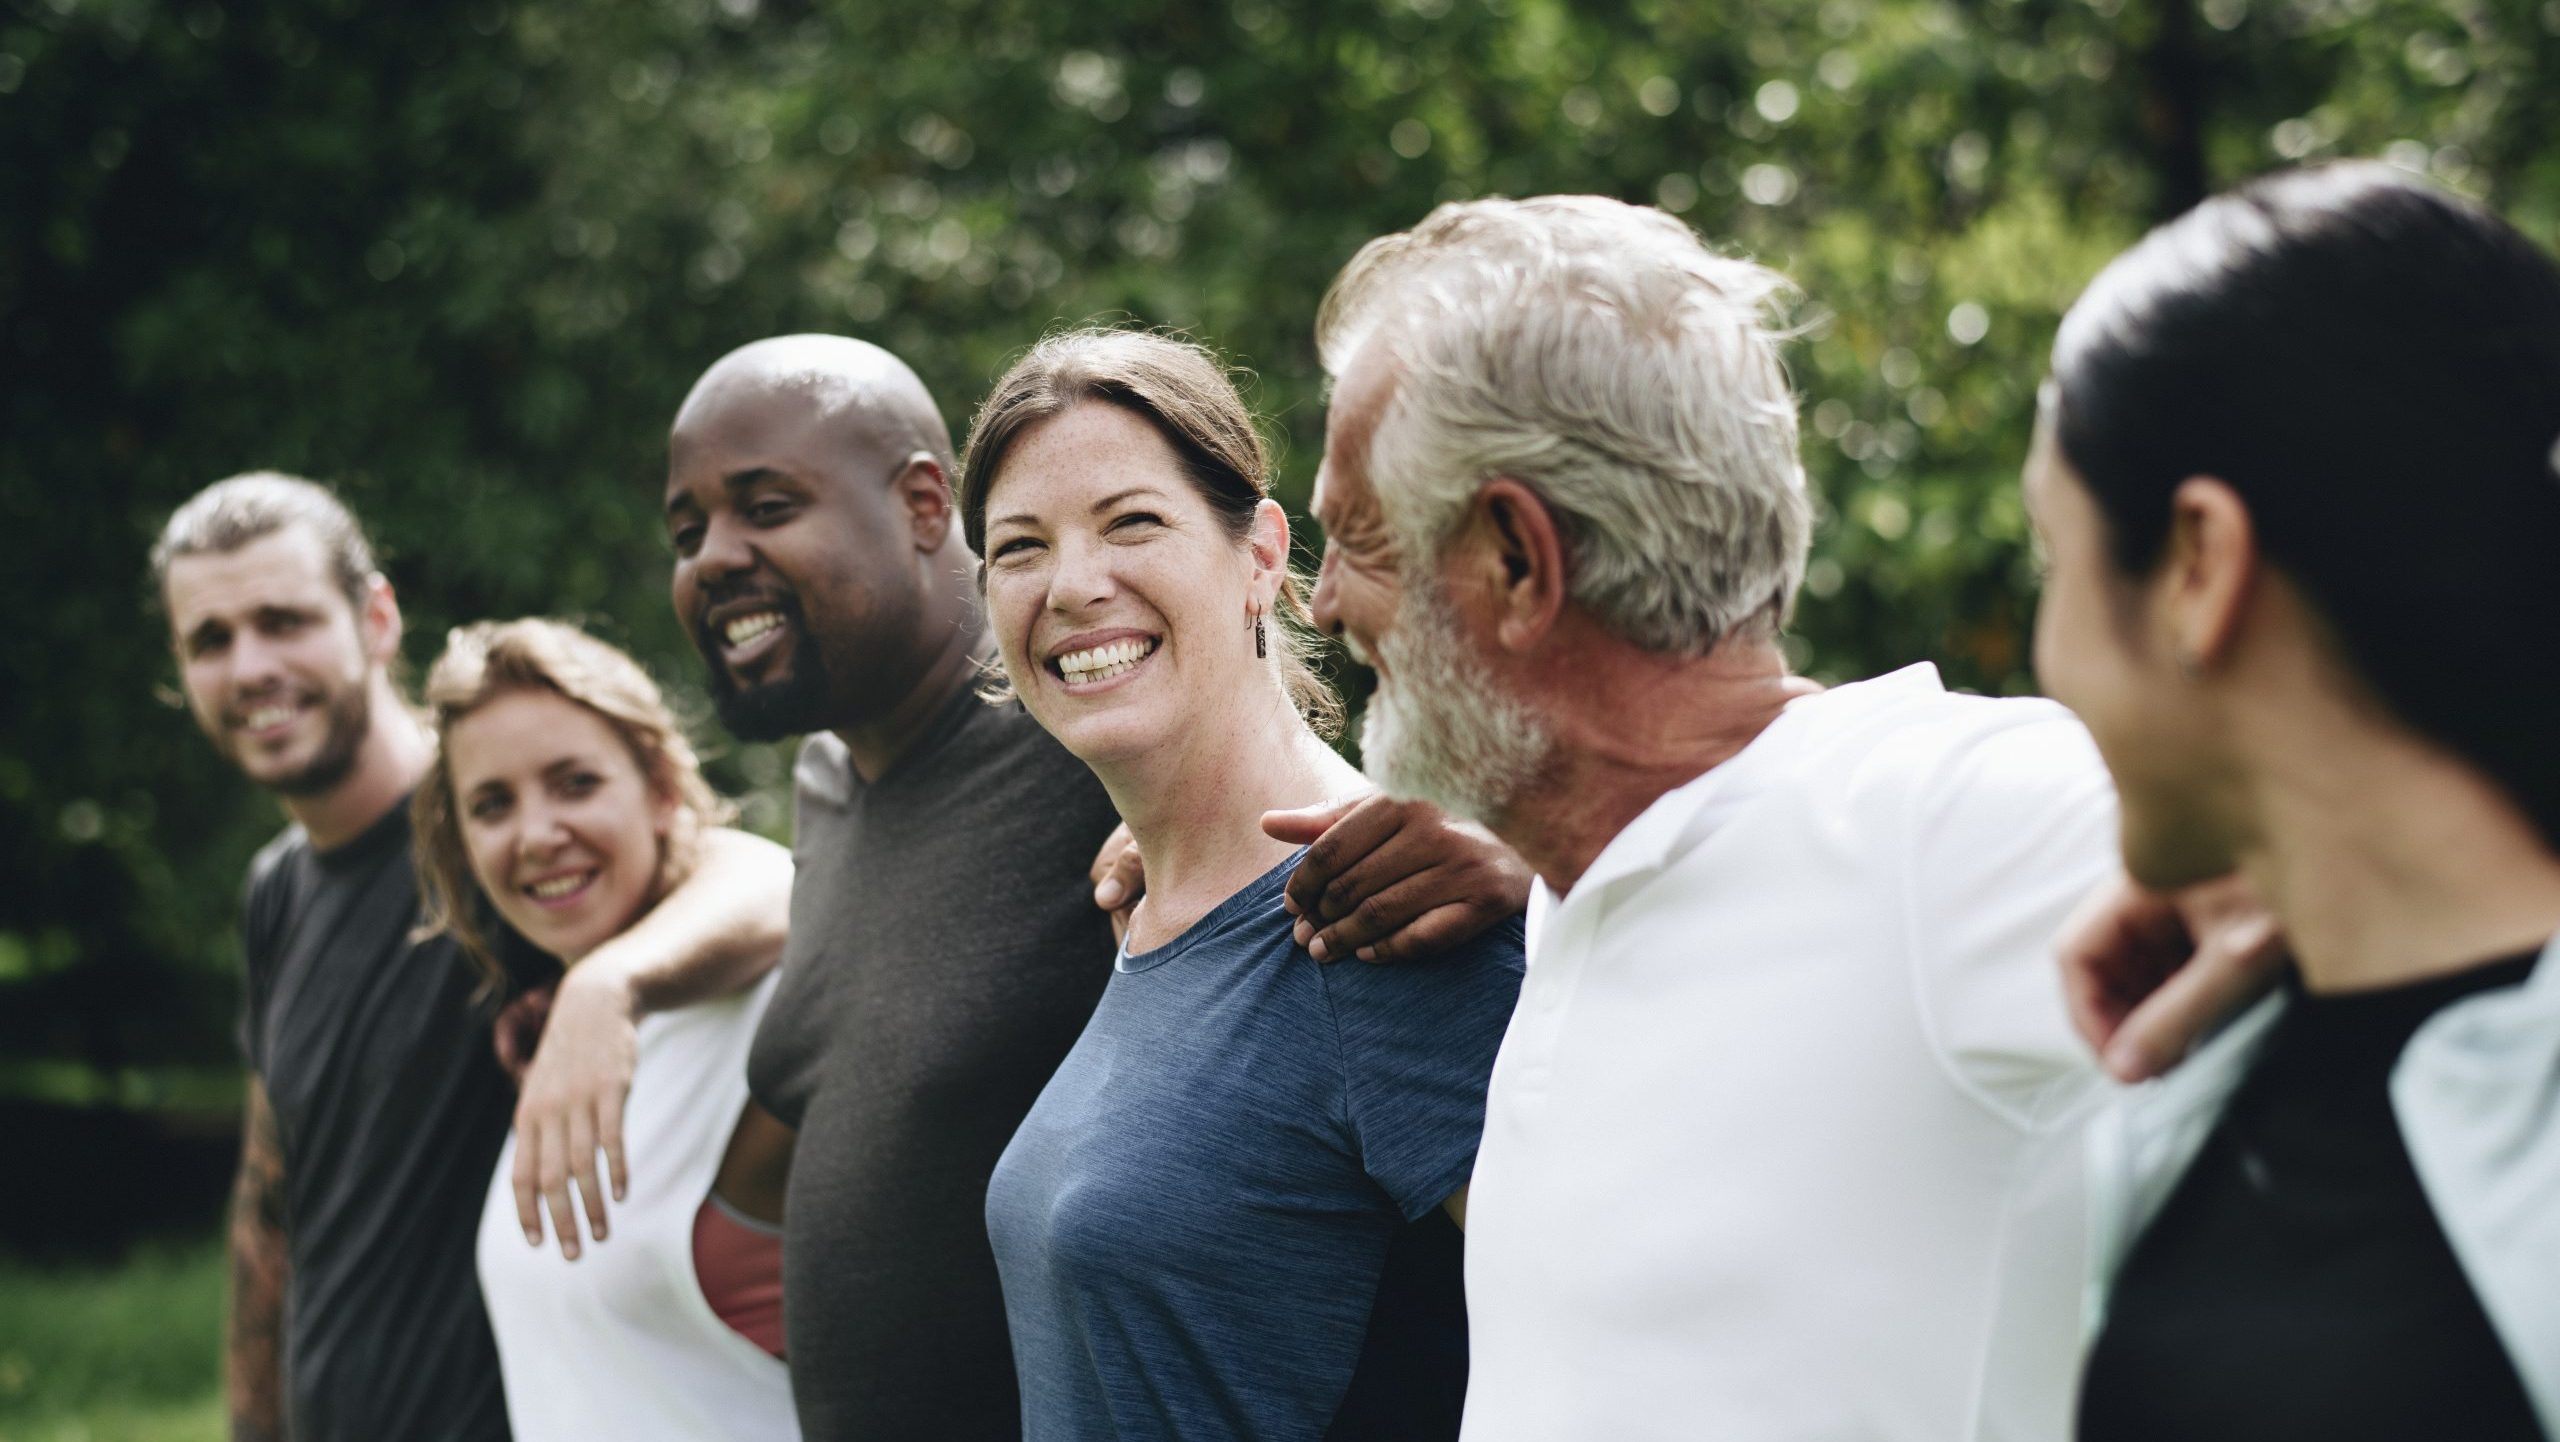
(945, 947)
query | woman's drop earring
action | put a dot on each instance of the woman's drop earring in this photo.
(1261, 647)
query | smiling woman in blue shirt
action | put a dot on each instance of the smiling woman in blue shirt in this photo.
(1233, 1212)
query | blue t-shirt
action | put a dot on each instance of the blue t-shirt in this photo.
(1222, 1220)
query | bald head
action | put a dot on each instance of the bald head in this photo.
(816, 562)
(855, 392)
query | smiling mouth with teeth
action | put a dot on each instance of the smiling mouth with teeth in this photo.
(1102, 663)
(742, 629)
(558, 886)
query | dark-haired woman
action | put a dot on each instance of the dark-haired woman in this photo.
(2296, 476)
(1225, 1216)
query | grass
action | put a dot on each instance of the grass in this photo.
(131, 1353)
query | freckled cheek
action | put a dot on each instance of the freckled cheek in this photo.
(1169, 585)
(1013, 603)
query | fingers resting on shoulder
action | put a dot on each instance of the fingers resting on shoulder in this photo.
(2149, 975)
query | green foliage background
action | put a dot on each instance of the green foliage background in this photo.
(463, 260)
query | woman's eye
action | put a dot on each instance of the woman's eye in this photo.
(1137, 520)
(582, 783)
(1019, 545)
(488, 808)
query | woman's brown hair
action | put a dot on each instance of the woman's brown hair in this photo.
(1184, 392)
(495, 658)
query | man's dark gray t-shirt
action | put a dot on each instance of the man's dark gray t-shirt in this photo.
(391, 1109)
(945, 953)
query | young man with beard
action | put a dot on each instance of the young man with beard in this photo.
(1784, 1137)
(376, 1107)
(945, 947)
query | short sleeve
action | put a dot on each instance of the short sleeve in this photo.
(261, 901)
(1418, 1043)
(2014, 828)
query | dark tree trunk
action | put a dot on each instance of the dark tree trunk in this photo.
(2173, 108)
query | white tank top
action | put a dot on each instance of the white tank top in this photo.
(621, 1342)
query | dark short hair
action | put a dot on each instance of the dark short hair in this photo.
(1183, 392)
(230, 514)
(2373, 365)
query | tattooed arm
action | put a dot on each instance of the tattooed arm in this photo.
(255, 1354)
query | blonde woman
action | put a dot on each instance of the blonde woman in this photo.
(563, 804)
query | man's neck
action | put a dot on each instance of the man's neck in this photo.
(876, 745)
(390, 762)
(2389, 861)
(1631, 726)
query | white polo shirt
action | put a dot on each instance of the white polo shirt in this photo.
(1784, 1139)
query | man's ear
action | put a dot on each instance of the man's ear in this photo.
(2210, 569)
(1522, 550)
(922, 491)
(378, 624)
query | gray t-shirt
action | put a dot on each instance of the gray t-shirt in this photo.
(391, 1109)
(945, 952)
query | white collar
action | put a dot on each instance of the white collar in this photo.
(1671, 824)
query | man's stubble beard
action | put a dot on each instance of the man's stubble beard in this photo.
(1440, 730)
(348, 715)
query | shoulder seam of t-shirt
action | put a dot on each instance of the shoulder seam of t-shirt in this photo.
(256, 953)
(1916, 948)
(267, 897)
(268, 870)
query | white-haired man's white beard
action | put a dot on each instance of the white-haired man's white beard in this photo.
(1436, 728)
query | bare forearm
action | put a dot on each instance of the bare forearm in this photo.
(254, 1342)
(718, 933)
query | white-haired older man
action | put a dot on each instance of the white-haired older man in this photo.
(1783, 1139)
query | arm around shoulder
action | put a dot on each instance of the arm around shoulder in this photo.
(1388, 880)
(717, 934)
